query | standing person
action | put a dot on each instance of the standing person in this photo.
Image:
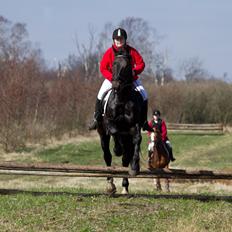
(120, 45)
(159, 123)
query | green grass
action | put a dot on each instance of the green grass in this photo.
(74, 212)
(84, 153)
(191, 151)
(203, 151)
(25, 212)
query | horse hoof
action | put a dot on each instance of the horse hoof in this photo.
(124, 191)
(111, 190)
(158, 190)
(133, 172)
(111, 193)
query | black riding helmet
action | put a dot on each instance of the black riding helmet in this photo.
(119, 32)
(156, 112)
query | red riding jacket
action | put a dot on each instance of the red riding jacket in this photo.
(108, 59)
(161, 125)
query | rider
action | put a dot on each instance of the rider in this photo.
(158, 123)
(119, 45)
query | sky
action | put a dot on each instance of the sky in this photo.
(190, 28)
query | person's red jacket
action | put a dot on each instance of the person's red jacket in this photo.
(108, 59)
(161, 126)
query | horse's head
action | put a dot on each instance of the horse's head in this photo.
(122, 71)
(158, 157)
(156, 135)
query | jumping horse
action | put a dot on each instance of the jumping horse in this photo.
(158, 157)
(122, 121)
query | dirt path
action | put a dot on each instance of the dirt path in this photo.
(99, 184)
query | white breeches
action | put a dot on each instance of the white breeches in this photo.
(106, 85)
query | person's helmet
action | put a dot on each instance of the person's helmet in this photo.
(119, 32)
(156, 112)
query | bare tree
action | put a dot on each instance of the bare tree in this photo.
(163, 73)
(144, 38)
(192, 69)
(88, 56)
(20, 67)
(105, 39)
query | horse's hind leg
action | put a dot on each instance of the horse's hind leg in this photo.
(135, 166)
(157, 184)
(167, 185)
(167, 182)
(105, 144)
(111, 188)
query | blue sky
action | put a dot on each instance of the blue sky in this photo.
(192, 28)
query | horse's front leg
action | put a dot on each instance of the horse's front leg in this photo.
(105, 144)
(167, 182)
(125, 162)
(167, 185)
(117, 146)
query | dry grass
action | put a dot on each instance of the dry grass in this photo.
(50, 143)
(99, 184)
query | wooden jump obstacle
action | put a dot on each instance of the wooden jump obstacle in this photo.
(211, 128)
(67, 170)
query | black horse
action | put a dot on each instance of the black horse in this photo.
(122, 120)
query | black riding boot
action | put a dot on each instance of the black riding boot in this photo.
(170, 152)
(171, 155)
(97, 115)
(144, 115)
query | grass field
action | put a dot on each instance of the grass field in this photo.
(191, 151)
(26, 212)
(71, 204)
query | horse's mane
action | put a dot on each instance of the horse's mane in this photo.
(122, 66)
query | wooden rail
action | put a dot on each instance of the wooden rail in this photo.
(97, 171)
(211, 128)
